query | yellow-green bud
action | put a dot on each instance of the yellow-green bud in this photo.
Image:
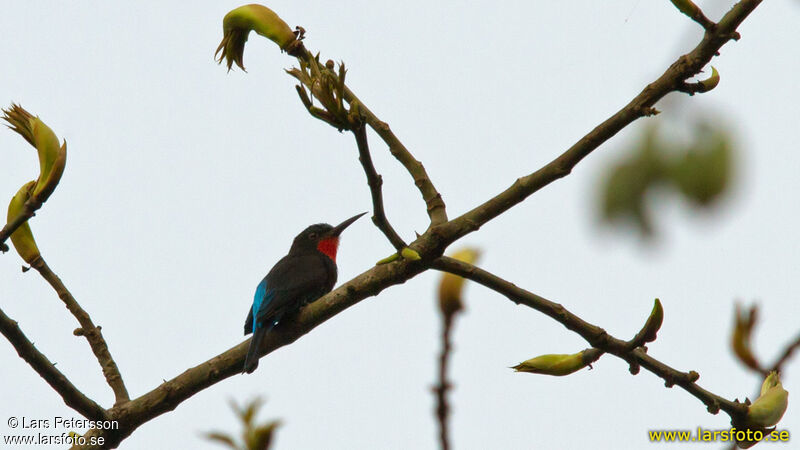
(687, 7)
(710, 82)
(238, 24)
(559, 365)
(388, 259)
(406, 253)
(452, 286)
(22, 237)
(410, 254)
(650, 329)
(769, 407)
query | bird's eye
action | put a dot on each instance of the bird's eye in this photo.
(312, 235)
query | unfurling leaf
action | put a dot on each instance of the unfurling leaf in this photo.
(221, 438)
(237, 25)
(559, 365)
(741, 339)
(52, 156)
(254, 436)
(259, 438)
(451, 287)
(22, 237)
(769, 407)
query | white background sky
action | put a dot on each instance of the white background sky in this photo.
(185, 184)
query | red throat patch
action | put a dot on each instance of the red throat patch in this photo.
(329, 246)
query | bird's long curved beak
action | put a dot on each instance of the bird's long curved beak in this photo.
(337, 230)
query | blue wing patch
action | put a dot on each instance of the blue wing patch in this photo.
(262, 297)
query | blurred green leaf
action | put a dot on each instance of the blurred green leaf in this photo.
(701, 172)
(704, 171)
(254, 437)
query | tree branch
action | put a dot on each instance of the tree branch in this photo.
(375, 181)
(433, 200)
(47, 370)
(172, 393)
(671, 80)
(441, 233)
(596, 336)
(88, 329)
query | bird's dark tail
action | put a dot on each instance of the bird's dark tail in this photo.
(251, 361)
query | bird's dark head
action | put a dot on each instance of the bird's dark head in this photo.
(321, 237)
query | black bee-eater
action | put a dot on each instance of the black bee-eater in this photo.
(307, 273)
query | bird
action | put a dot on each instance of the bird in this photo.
(305, 274)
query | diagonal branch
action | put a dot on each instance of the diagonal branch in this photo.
(595, 335)
(88, 329)
(671, 80)
(73, 398)
(172, 393)
(375, 181)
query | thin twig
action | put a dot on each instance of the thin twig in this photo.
(441, 389)
(73, 397)
(375, 182)
(433, 200)
(593, 334)
(88, 329)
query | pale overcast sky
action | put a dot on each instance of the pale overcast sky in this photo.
(184, 184)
